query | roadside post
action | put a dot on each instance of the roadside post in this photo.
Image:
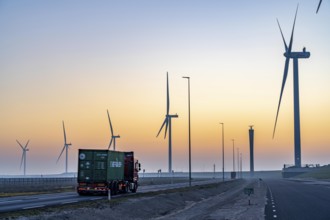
(259, 182)
(248, 191)
(109, 194)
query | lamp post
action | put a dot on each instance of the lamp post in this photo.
(223, 153)
(233, 155)
(238, 167)
(189, 125)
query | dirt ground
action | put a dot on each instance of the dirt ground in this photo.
(221, 201)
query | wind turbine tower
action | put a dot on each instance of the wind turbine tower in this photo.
(168, 123)
(25, 149)
(113, 137)
(251, 140)
(295, 56)
(66, 147)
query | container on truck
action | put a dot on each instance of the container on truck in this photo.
(102, 170)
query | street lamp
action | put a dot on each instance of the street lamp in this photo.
(238, 170)
(233, 155)
(186, 77)
(223, 154)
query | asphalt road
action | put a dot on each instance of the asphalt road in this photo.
(295, 199)
(9, 204)
(38, 201)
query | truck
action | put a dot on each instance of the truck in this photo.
(106, 171)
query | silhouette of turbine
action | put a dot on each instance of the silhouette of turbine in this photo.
(168, 123)
(113, 137)
(295, 56)
(66, 147)
(25, 149)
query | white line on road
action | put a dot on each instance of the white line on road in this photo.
(33, 207)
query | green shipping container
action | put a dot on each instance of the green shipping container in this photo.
(99, 166)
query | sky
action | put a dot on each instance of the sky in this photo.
(72, 60)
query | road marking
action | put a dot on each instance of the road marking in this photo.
(273, 203)
(33, 207)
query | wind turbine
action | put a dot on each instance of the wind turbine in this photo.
(66, 147)
(113, 137)
(318, 7)
(25, 149)
(168, 123)
(295, 56)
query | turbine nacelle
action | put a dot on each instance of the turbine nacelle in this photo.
(298, 55)
(172, 116)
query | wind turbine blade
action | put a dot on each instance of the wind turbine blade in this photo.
(168, 97)
(286, 47)
(110, 143)
(165, 121)
(110, 123)
(166, 128)
(318, 7)
(286, 69)
(64, 132)
(291, 39)
(60, 154)
(20, 144)
(27, 143)
(22, 160)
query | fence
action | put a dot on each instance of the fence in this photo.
(37, 181)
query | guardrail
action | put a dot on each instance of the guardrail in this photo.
(285, 166)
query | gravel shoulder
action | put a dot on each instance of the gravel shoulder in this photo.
(224, 200)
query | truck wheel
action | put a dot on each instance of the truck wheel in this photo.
(112, 188)
(125, 188)
(115, 188)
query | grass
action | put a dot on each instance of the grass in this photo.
(320, 173)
